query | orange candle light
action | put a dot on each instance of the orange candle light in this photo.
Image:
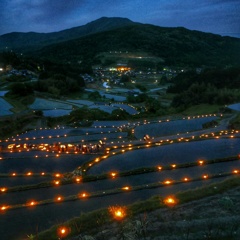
(117, 212)
(3, 189)
(170, 201)
(168, 182)
(113, 174)
(62, 232)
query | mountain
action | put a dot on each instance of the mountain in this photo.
(92, 42)
(31, 41)
(176, 46)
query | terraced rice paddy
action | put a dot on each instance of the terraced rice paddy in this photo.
(61, 177)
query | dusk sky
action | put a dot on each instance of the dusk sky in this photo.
(216, 16)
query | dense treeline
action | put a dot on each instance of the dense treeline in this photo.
(59, 79)
(59, 84)
(7, 58)
(212, 86)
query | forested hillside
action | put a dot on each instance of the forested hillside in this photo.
(176, 46)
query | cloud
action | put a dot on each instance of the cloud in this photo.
(54, 15)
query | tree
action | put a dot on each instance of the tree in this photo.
(141, 87)
(21, 89)
(152, 105)
(125, 78)
(94, 95)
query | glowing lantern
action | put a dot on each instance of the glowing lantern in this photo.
(185, 179)
(4, 208)
(159, 168)
(168, 182)
(83, 195)
(56, 182)
(235, 171)
(29, 174)
(117, 212)
(42, 173)
(63, 232)
(205, 176)
(3, 189)
(13, 174)
(78, 180)
(173, 165)
(113, 174)
(32, 203)
(126, 188)
(59, 198)
(200, 162)
(170, 201)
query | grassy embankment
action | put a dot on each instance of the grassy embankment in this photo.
(235, 122)
(202, 109)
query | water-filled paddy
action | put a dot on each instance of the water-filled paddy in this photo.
(56, 112)
(32, 220)
(169, 154)
(235, 106)
(5, 107)
(171, 127)
(42, 217)
(43, 104)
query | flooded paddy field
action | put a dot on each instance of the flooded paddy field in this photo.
(32, 219)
